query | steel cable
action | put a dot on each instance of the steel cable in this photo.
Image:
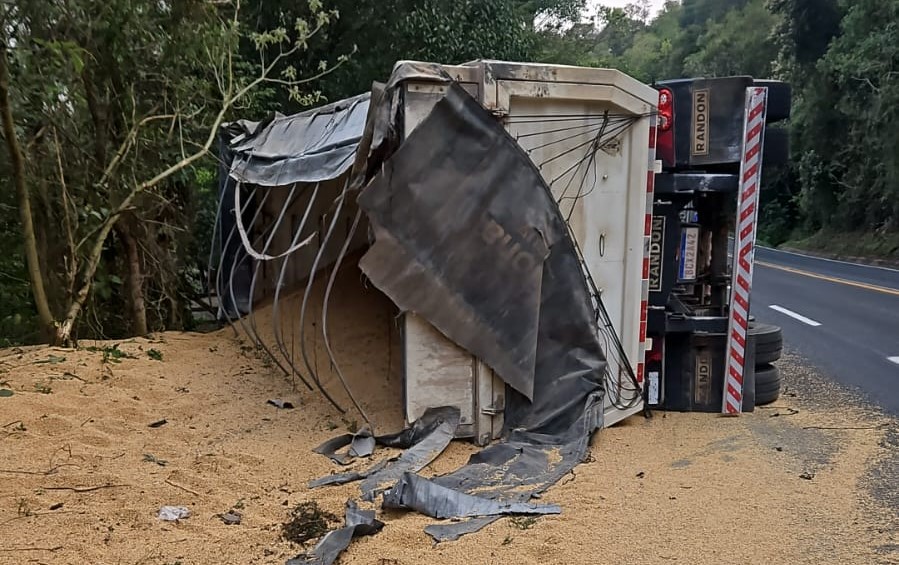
(276, 302)
(218, 274)
(310, 283)
(325, 304)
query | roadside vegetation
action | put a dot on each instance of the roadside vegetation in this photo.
(109, 111)
(866, 247)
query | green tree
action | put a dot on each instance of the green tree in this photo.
(805, 31)
(651, 57)
(618, 28)
(862, 64)
(741, 42)
(111, 104)
(841, 58)
(381, 32)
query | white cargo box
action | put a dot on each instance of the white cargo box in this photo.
(555, 112)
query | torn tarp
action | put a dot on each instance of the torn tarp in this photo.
(416, 457)
(468, 236)
(361, 444)
(518, 469)
(358, 523)
(425, 440)
(427, 497)
(312, 146)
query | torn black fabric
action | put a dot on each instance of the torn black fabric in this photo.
(344, 478)
(454, 530)
(421, 428)
(358, 523)
(418, 493)
(361, 444)
(515, 471)
(519, 469)
(312, 146)
(415, 458)
(468, 236)
(426, 440)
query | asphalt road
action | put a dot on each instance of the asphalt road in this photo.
(842, 317)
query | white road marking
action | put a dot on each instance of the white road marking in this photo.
(795, 316)
(893, 359)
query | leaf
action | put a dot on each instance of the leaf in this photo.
(154, 354)
(115, 280)
(77, 61)
(5, 393)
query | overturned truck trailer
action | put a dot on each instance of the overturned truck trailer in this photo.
(499, 214)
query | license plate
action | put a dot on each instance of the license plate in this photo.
(689, 253)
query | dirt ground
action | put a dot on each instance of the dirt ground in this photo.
(811, 479)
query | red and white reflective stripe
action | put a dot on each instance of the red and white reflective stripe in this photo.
(744, 247)
(647, 234)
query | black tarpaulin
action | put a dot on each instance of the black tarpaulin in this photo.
(358, 523)
(428, 437)
(312, 146)
(417, 493)
(468, 236)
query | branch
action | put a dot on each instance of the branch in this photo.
(85, 489)
(126, 146)
(868, 81)
(307, 80)
(235, 23)
(184, 488)
(35, 138)
(71, 270)
(49, 471)
(17, 549)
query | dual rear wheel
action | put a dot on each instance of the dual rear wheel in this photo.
(768, 349)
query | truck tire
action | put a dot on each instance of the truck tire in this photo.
(779, 99)
(777, 148)
(768, 343)
(767, 384)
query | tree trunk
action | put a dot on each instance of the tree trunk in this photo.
(98, 117)
(64, 330)
(135, 281)
(18, 171)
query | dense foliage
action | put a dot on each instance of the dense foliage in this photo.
(842, 58)
(99, 97)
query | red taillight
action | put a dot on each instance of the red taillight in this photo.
(665, 140)
(664, 121)
(666, 109)
(654, 355)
